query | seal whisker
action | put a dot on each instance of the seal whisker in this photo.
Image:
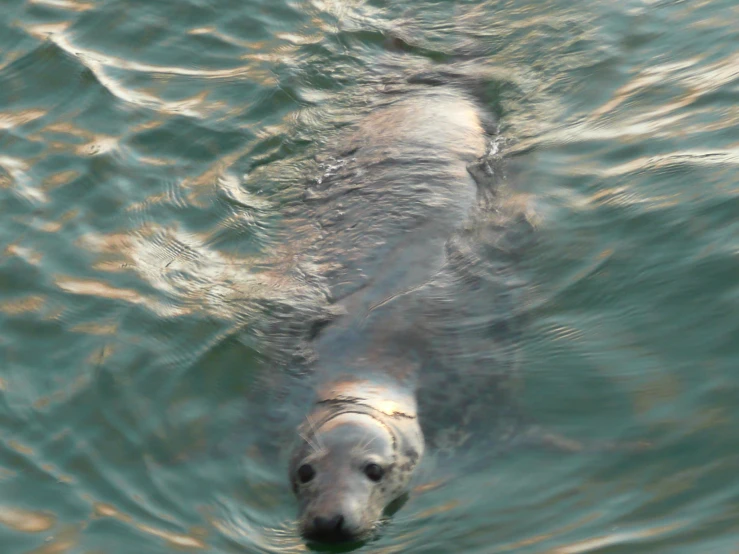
(312, 444)
(363, 448)
(319, 442)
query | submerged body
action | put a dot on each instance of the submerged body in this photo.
(404, 190)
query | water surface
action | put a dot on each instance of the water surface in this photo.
(151, 156)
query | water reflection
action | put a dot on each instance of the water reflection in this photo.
(26, 521)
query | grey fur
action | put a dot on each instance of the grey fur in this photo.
(402, 191)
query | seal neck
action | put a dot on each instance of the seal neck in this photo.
(394, 409)
(329, 409)
(377, 400)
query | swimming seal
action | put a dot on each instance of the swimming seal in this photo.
(402, 191)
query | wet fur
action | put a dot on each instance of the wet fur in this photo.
(389, 211)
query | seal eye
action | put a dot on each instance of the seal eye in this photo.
(306, 473)
(374, 472)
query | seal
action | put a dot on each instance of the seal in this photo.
(400, 191)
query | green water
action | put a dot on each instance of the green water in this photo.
(149, 152)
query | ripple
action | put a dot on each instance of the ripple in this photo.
(9, 120)
(112, 73)
(71, 5)
(177, 540)
(25, 520)
(620, 537)
(28, 304)
(97, 63)
(98, 288)
(20, 181)
(247, 531)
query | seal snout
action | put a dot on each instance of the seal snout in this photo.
(329, 529)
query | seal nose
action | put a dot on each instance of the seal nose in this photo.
(330, 529)
(328, 525)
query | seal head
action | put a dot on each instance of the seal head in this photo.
(352, 461)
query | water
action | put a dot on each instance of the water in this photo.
(150, 156)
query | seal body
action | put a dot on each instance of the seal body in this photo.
(396, 196)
